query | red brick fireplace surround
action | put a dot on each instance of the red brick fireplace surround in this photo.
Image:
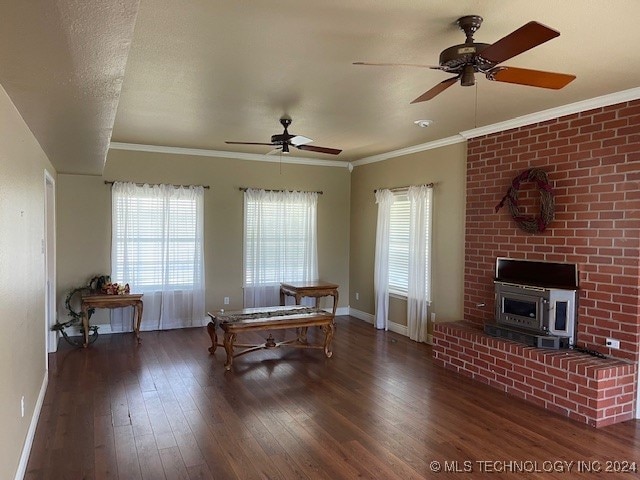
(592, 160)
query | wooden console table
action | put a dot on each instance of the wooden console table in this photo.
(111, 301)
(269, 318)
(314, 289)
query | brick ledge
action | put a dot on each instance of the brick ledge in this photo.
(588, 389)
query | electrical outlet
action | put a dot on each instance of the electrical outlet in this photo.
(612, 343)
(357, 296)
(22, 406)
(433, 317)
(226, 300)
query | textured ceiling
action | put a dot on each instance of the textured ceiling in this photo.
(200, 72)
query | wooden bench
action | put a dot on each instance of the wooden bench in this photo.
(269, 318)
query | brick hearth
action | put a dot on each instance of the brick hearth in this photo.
(588, 389)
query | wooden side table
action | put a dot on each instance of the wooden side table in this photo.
(111, 301)
(315, 289)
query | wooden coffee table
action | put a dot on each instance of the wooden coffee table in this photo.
(269, 318)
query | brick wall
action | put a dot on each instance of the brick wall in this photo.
(587, 389)
(592, 160)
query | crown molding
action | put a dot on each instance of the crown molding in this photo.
(200, 152)
(544, 115)
(557, 112)
(443, 142)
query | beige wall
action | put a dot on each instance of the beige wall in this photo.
(85, 215)
(446, 168)
(22, 277)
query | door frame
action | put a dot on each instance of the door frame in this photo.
(49, 251)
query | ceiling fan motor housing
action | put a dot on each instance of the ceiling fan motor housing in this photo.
(453, 59)
(464, 59)
(281, 138)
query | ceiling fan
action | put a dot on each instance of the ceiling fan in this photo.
(283, 141)
(469, 58)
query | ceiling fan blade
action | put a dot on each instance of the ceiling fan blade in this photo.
(312, 148)
(533, 78)
(249, 143)
(524, 38)
(299, 140)
(439, 88)
(435, 67)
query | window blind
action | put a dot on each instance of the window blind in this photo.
(282, 243)
(399, 237)
(399, 246)
(155, 238)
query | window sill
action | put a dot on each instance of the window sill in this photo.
(399, 296)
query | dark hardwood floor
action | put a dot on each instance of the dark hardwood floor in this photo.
(378, 409)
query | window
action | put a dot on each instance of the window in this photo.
(157, 248)
(155, 238)
(279, 243)
(399, 245)
(402, 259)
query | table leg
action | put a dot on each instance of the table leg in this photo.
(281, 296)
(302, 335)
(328, 330)
(137, 317)
(85, 325)
(335, 301)
(229, 338)
(211, 329)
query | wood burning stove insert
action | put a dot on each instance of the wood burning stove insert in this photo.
(535, 303)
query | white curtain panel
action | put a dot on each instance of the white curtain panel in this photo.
(419, 265)
(384, 199)
(280, 243)
(157, 248)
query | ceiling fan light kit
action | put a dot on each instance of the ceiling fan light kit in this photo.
(467, 59)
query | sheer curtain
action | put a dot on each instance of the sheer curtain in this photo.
(384, 199)
(280, 243)
(157, 247)
(418, 291)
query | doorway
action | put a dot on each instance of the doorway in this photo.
(49, 250)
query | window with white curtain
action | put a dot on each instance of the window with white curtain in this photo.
(157, 247)
(280, 243)
(399, 241)
(403, 255)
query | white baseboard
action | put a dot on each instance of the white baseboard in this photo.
(394, 327)
(28, 442)
(105, 328)
(339, 310)
(367, 317)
